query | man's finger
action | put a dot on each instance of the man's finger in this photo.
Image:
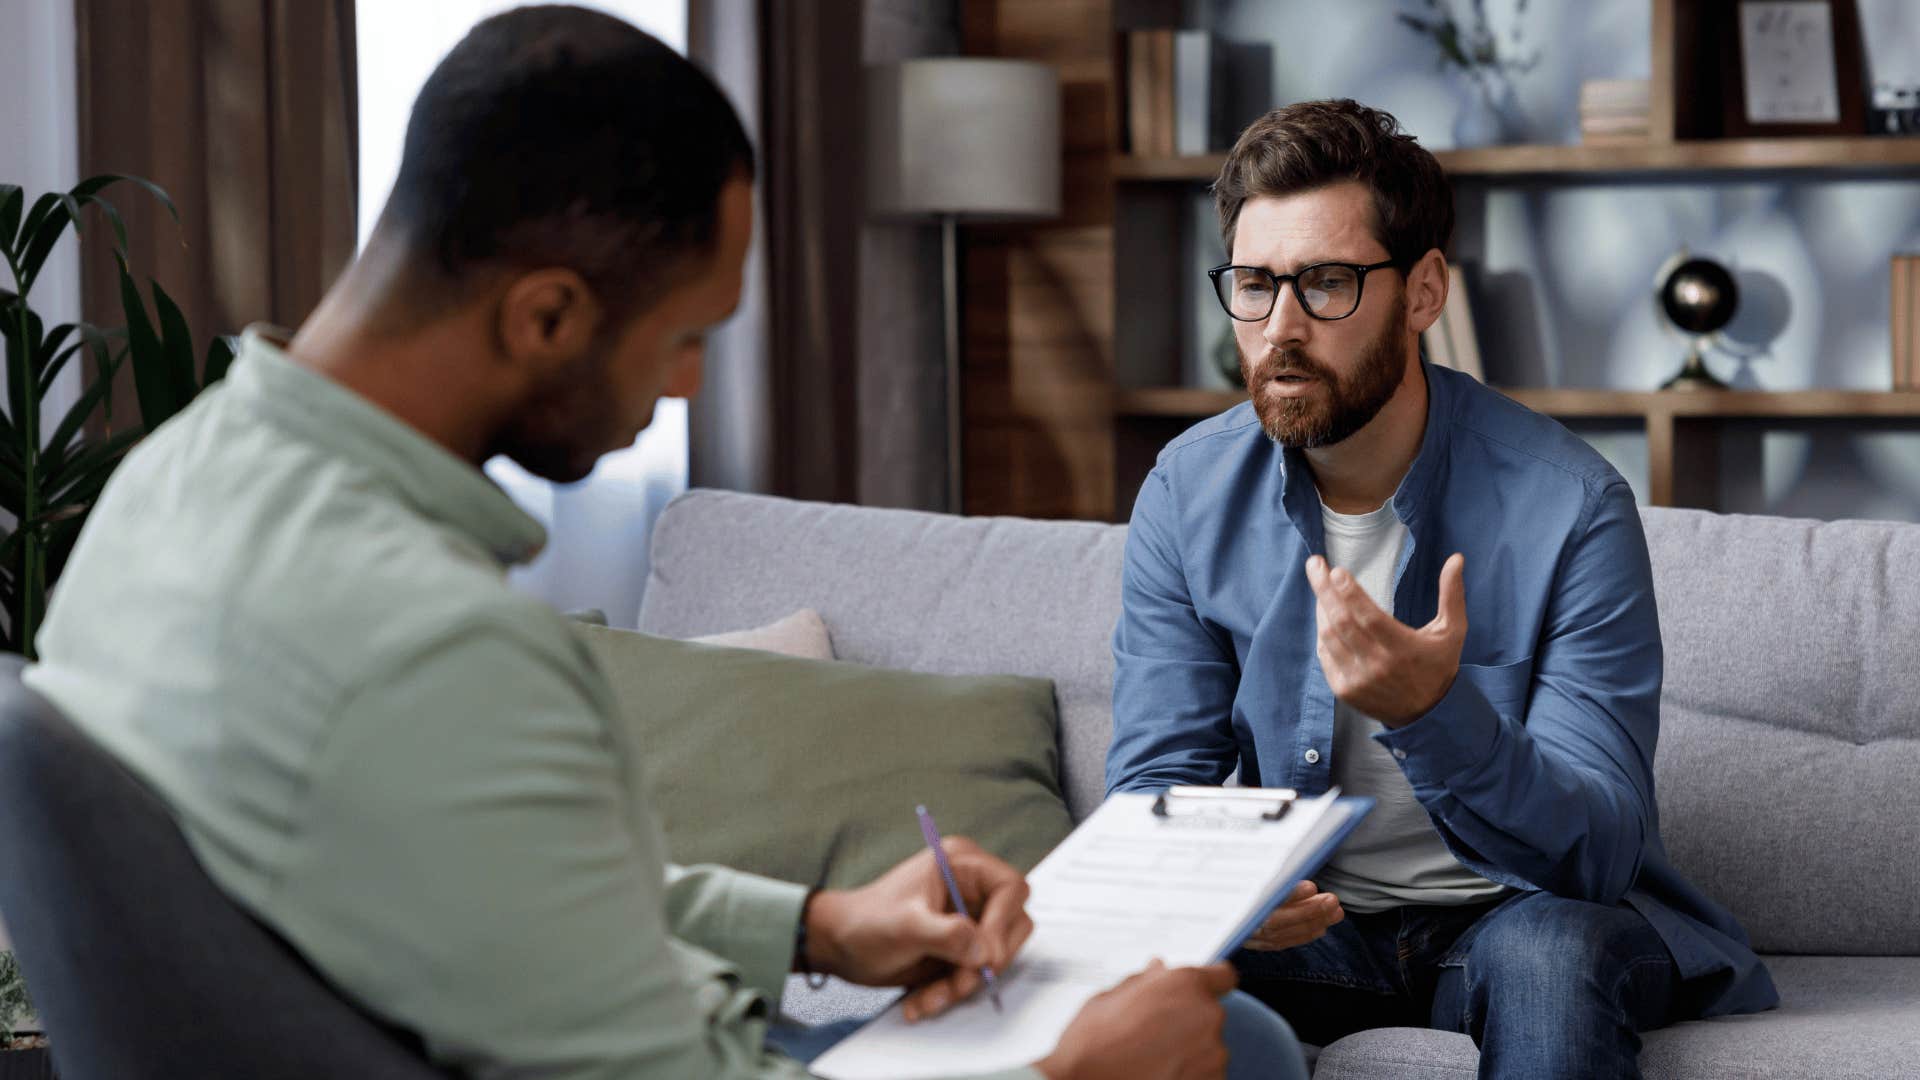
(1317, 576)
(998, 895)
(1452, 615)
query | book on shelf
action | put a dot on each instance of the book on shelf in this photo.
(1150, 91)
(1615, 111)
(1176, 100)
(1450, 341)
(1905, 305)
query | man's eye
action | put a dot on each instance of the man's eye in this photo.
(1253, 288)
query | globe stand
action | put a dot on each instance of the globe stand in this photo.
(1693, 375)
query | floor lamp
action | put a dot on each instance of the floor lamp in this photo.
(962, 140)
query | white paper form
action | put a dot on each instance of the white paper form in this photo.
(1127, 887)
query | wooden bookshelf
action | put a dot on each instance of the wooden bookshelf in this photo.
(1830, 155)
(1066, 319)
(1682, 426)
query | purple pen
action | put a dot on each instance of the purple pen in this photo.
(932, 834)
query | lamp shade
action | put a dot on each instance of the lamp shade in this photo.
(974, 138)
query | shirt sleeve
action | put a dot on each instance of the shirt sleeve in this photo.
(1174, 680)
(1554, 788)
(469, 870)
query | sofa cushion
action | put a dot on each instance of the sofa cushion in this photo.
(809, 770)
(902, 589)
(1790, 724)
(1840, 1018)
(800, 634)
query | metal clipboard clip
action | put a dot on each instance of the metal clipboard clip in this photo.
(1246, 804)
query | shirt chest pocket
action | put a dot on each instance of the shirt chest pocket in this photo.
(1505, 686)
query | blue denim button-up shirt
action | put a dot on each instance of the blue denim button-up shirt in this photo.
(1537, 766)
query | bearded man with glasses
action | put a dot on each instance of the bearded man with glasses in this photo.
(1297, 608)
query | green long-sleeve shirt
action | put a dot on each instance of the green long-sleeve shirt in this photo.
(288, 615)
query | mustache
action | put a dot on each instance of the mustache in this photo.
(1277, 362)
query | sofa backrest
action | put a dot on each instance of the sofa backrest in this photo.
(1789, 759)
(901, 589)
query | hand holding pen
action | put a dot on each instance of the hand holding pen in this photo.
(899, 930)
(932, 835)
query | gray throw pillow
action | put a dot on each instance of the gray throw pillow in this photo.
(809, 770)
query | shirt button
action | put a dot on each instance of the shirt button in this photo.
(1313, 757)
(1399, 754)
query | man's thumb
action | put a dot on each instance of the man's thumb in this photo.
(1452, 616)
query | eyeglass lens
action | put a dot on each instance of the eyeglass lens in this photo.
(1248, 293)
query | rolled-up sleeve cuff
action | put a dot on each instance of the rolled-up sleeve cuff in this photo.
(1457, 734)
(762, 916)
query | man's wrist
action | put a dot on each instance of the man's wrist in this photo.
(1400, 722)
(816, 946)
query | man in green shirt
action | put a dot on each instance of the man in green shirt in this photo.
(288, 616)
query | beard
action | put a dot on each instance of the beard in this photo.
(1339, 406)
(567, 423)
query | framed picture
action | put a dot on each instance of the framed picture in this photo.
(1794, 68)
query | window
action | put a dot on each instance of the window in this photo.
(596, 555)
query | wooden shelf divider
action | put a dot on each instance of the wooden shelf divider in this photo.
(1682, 426)
(1831, 154)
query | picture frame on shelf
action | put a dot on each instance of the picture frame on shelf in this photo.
(1793, 67)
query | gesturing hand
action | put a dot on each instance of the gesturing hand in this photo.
(898, 930)
(1374, 662)
(1303, 918)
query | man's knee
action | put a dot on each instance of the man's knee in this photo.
(1561, 949)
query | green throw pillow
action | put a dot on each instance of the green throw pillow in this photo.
(809, 770)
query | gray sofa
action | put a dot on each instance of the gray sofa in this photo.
(1788, 767)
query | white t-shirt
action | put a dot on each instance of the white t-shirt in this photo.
(1395, 857)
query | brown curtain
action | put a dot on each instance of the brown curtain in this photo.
(245, 112)
(779, 413)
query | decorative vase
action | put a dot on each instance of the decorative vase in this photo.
(1488, 113)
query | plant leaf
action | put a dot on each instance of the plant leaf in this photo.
(51, 357)
(53, 212)
(55, 454)
(11, 198)
(150, 383)
(220, 353)
(42, 206)
(176, 344)
(83, 479)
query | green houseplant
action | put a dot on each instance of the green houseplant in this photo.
(52, 468)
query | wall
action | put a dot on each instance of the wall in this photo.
(1561, 274)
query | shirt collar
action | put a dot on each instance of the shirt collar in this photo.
(424, 474)
(1302, 500)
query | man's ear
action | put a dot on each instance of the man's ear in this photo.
(1427, 286)
(547, 318)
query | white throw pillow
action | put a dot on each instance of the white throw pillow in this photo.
(802, 634)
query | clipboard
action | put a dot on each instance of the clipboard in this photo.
(1184, 876)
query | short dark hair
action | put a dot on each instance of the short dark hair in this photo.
(559, 136)
(1312, 144)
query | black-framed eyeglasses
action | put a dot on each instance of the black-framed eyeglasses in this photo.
(1329, 290)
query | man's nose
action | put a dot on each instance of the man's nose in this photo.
(1288, 322)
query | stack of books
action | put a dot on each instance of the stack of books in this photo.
(1173, 89)
(1906, 322)
(1614, 112)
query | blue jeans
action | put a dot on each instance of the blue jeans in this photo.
(1260, 1045)
(1547, 987)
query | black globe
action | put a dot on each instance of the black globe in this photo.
(1699, 296)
